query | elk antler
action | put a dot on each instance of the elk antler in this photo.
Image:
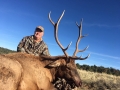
(78, 40)
(56, 33)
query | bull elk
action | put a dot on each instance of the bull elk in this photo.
(20, 71)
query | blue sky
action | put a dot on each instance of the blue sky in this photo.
(101, 21)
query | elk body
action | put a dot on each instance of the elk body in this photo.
(20, 71)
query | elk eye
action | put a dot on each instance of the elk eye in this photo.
(68, 68)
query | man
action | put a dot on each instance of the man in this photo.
(34, 44)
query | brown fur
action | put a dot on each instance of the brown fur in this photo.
(20, 71)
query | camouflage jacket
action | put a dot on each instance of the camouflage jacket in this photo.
(28, 45)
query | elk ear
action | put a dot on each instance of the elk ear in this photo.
(55, 64)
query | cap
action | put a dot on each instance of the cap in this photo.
(39, 28)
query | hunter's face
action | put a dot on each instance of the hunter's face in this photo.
(38, 35)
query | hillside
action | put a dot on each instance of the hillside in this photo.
(99, 69)
(5, 50)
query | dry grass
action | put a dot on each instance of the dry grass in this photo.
(99, 81)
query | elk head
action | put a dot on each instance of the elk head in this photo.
(66, 64)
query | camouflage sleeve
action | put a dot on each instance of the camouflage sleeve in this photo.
(46, 51)
(20, 47)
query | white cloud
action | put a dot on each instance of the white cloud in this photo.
(101, 25)
(108, 56)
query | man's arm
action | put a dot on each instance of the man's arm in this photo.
(46, 51)
(20, 47)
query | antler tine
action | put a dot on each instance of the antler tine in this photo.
(60, 17)
(80, 58)
(83, 49)
(50, 18)
(56, 33)
(68, 46)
